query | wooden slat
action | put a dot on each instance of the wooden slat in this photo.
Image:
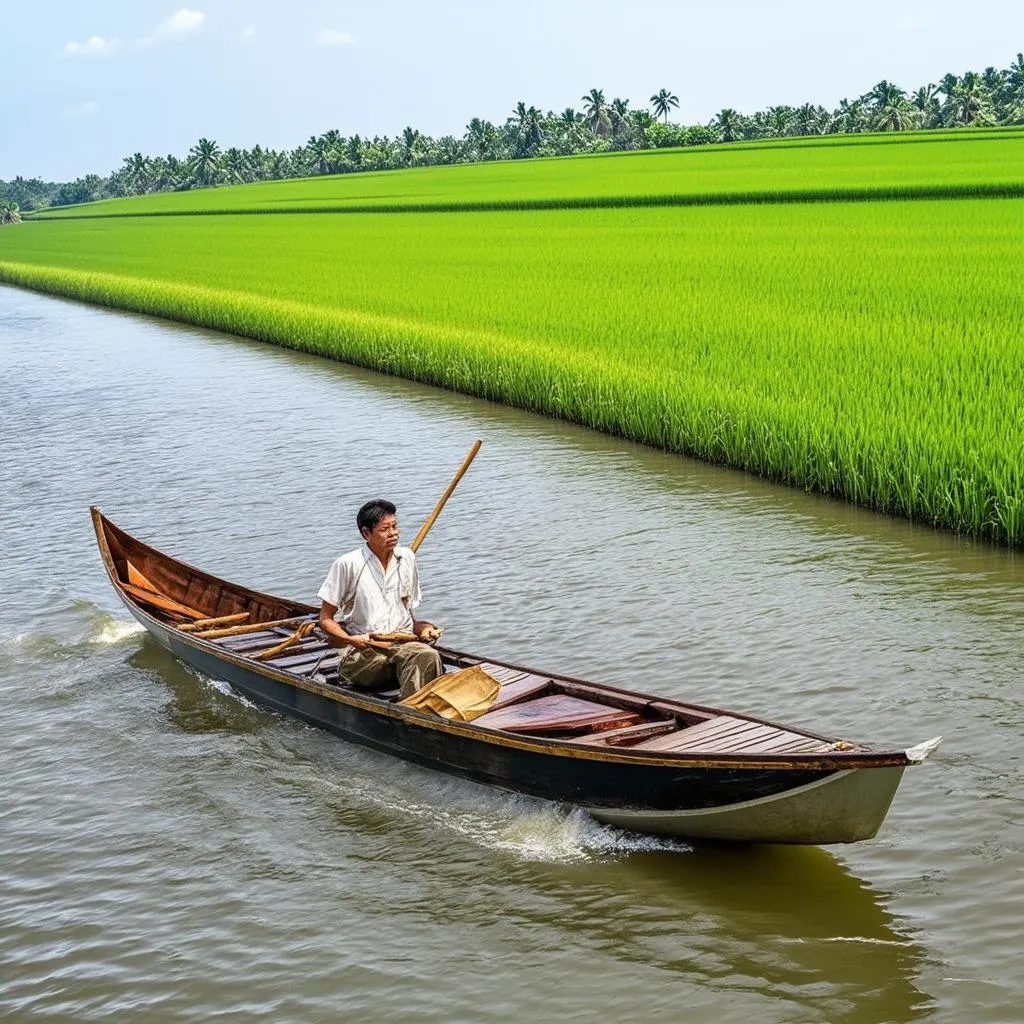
(719, 726)
(520, 690)
(502, 673)
(666, 708)
(293, 657)
(557, 713)
(303, 665)
(159, 601)
(251, 641)
(136, 579)
(789, 743)
(737, 738)
(620, 737)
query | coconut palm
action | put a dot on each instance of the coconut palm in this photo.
(525, 129)
(970, 103)
(236, 166)
(926, 101)
(205, 156)
(139, 173)
(409, 145)
(896, 115)
(663, 101)
(596, 111)
(729, 123)
(10, 213)
(850, 116)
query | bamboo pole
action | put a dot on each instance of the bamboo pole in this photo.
(425, 528)
(251, 627)
(221, 620)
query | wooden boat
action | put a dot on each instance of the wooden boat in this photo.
(634, 760)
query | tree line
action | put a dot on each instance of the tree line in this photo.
(993, 97)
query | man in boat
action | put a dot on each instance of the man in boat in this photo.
(376, 589)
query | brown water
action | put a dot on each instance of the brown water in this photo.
(171, 853)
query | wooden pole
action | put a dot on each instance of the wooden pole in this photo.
(251, 627)
(221, 620)
(425, 528)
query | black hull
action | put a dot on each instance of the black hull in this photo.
(579, 781)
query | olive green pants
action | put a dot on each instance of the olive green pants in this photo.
(410, 666)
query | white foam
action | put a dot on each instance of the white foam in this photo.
(530, 829)
(114, 631)
(860, 939)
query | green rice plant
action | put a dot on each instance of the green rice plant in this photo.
(889, 166)
(872, 351)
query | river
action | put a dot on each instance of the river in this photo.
(171, 853)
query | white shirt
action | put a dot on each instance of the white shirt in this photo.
(370, 600)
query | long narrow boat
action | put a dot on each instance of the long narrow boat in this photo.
(634, 760)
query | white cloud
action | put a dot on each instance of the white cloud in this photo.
(82, 110)
(329, 37)
(180, 24)
(94, 46)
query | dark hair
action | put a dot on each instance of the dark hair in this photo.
(372, 513)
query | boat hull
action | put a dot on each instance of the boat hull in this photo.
(741, 804)
(844, 807)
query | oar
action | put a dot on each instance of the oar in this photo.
(425, 528)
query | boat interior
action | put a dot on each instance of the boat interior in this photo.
(253, 626)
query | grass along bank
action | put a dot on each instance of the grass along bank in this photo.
(872, 351)
(895, 166)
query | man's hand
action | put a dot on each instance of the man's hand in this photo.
(360, 642)
(428, 632)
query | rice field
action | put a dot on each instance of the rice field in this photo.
(950, 164)
(869, 350)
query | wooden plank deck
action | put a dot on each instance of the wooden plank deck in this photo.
(556, 713)
(725, 734)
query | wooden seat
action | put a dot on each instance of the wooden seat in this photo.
(516, 686)
(556, 713)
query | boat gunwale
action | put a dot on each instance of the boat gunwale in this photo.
(830, 761)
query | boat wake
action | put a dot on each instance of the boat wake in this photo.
(528, 829)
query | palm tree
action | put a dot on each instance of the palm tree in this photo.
(622, 127)
(9, 212)
(926, 101)
(138, 170)
(526, 130)
(317, 148)
(410, 138)
(850, 116)
(730, 123)
(969, 102)
(778, 121)
(663, 101)
(896, 115)
(236, 166)
(205, 155)
(885, 94)
(596, 110)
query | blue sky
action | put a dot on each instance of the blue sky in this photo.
(87, 83)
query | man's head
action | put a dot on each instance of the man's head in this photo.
(378, 525)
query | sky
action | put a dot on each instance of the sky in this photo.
(85, 83)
